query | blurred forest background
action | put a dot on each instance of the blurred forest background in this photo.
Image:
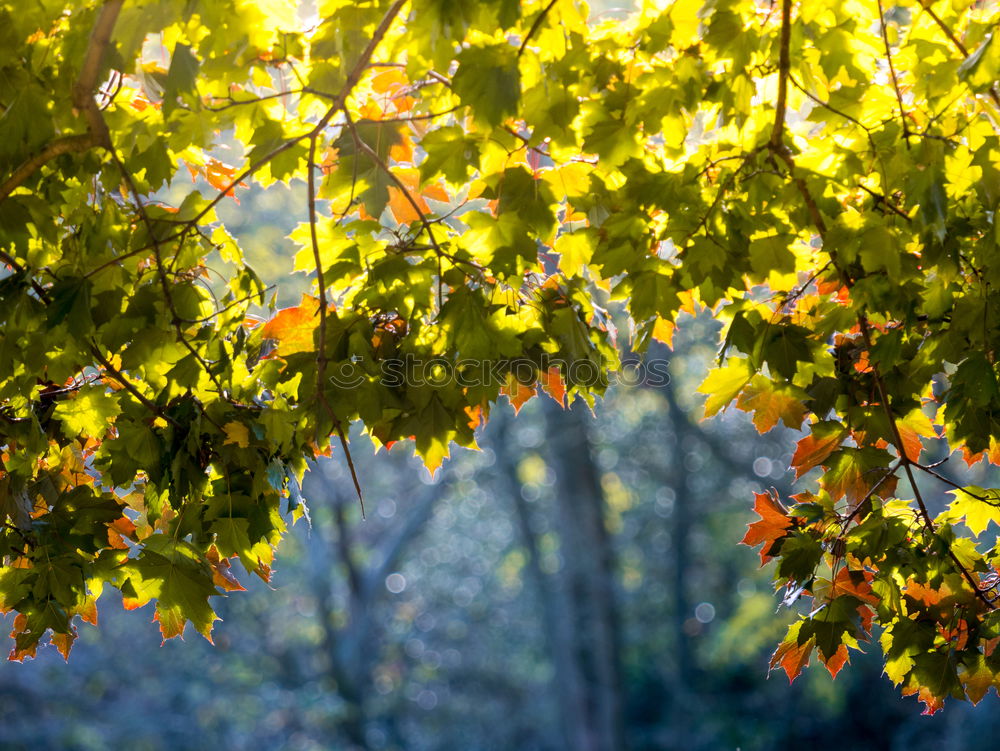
(576, 584)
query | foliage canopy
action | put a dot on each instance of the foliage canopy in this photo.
(480, 178)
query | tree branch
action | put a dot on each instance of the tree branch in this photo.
(534, 26)
(892, 73)
(83, 100)
(338, 103)
(957, 42)
(784, 67)
(65, 145)
(897, 440)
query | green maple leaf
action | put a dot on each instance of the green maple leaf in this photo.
(89, 412)
(489, 82)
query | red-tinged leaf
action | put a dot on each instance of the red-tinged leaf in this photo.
(773, 525)
(293, 328)
(518, 393)
(64, 643)
(770, 404)
(867, 618)
(911, 428)
(222, 574)
(791, 656)
(837, 661)
(25, 643)
(475, 415)
(87, 610)
(852, 473)
(925, 595)
(118, 530)
(399, 204)
(220, 176)
(932, 703)
(957, 636)
(823, 439)
(553, 384)
(389, 81)
(854, 583)
(992, 454)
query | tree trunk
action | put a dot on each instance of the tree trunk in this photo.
(567, 682)
(588, 578)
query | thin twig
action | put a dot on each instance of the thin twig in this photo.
(534, 26)
(66, 145)
(321, 350)
(129, 386)
(892, 73)
(777, 145)
(957, 42)
(313, 136)
(951, 483)
(897, 440)
(380, 163)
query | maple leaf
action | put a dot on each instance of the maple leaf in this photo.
(552, 384)
(293, 328)
(518, 393)
(852, 473)
(172, 573)
(118, 530)
(977, 507)
(236, 432)
(663, 331)
(791, 656)
(932, 703)
(911, 428)
(770, 404)
(723, 384)
(222, 575)
(773, 525)
(399, 204)
(977, 678)
(824, 438)
(991, 454)
(220, 176)
(89, 411)
(837, 660)
(854, 583)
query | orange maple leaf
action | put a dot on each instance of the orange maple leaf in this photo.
(518, 393)
(792, 657)
(836, 661)
(293, 327)
(812, 450)
(401, 208)
(854, 583)
(222, 575)
(553, 384)
(769, 405)
(773, 525)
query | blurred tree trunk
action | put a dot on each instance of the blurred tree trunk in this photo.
(588, 578)
(352, 649)
(567, 682)
(682, 522)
